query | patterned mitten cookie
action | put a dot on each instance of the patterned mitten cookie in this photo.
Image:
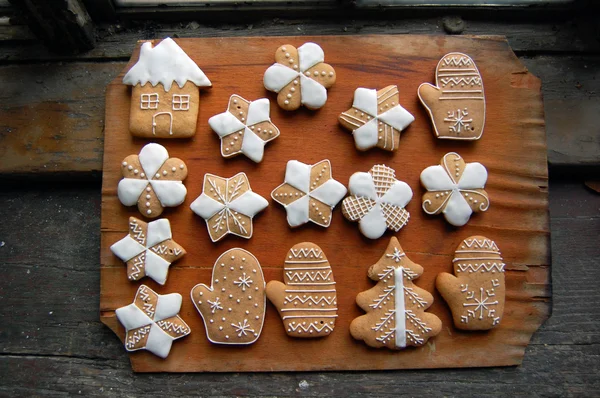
(306, 301)
(476, 294)
(233, 307)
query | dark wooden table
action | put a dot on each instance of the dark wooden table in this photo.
(51, 118)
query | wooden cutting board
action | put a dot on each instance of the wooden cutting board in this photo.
(513, 148)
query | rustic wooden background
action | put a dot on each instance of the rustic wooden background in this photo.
(51, 150)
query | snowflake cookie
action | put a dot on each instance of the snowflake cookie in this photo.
(300, 76)
(245, 128)
(455, 188)
(228, 206)
(152, 322)
(152, 180)
(233, 307)
(376, 118)
(306, 301)
(377, 200)
(309, 193)
(456, 104)
(395, 308)
(476, 294)
(148, 250)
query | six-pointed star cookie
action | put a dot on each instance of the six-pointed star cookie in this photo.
(228, 205)
(309, 193)
(152, 321)
(245, 128)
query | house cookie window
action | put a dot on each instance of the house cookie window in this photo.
(149, 101)
(181, 102)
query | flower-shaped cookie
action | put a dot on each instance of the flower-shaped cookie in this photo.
(152, 180)
(300, 76)
(376, 118)
(152, 322)
(228, 206)
(455, 188)
(148, 249)
(377, 201)
(245, 128)
(309, 193)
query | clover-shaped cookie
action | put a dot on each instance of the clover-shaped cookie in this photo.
(300, 76)
(152, 180)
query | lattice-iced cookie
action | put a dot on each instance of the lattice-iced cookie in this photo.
(455, 188)
(152, 322)
(476, 294)
(456, 103)
(228, 206)
(148, 250)
(377, 200)
(309, 193)
(152, 180)
(376, 118)
(306, 301)
(233, 307)
(300, 76)
(395, 308)
(245, 128)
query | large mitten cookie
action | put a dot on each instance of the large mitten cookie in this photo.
(395, 308)
(456, 103)
(233, 307)
(306, 301)
(476, 294)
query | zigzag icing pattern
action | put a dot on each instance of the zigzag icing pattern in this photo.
(302, 300)
(305, 253)
(137, 232)
(295, 326)
(481, 267)
(169, 326)
(457, 61)
(487, 244)
(137, 336)
(460, 80)
(295, 276)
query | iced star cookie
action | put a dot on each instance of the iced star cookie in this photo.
(160, 108)
(148, 250)
(476, 294)
(306, 301)
(300, 76)
(309, 193)
(152, 322)
(152, 180)
(377, 200)
(376, 118)
(228, 205)
(244, 128)
(456, 103)
(233, 307)
(455, 189)
(395, 308)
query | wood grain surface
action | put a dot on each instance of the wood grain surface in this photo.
(513, 149)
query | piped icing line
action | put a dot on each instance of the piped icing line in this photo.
(400, 318)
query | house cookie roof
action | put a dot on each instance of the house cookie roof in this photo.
(165, 63)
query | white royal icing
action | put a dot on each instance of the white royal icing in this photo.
(313, 94)
(165, 63)
(400, 308)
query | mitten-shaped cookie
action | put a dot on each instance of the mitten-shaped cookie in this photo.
(395, 307)
(233, 307)
(307, 300)
(476, 294)
(456, 103)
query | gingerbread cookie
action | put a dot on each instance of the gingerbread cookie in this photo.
(228, 205)
(152, 180)
(148, 250)
(306, 301)
(245, 128)
(309, 193)
(377, 200)
(233, 307)
(152, 322)
(455, 188)
(300, 76)
(376, 118)
(159, 108)
(456, 103)
(476, 294)
(395, 308)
